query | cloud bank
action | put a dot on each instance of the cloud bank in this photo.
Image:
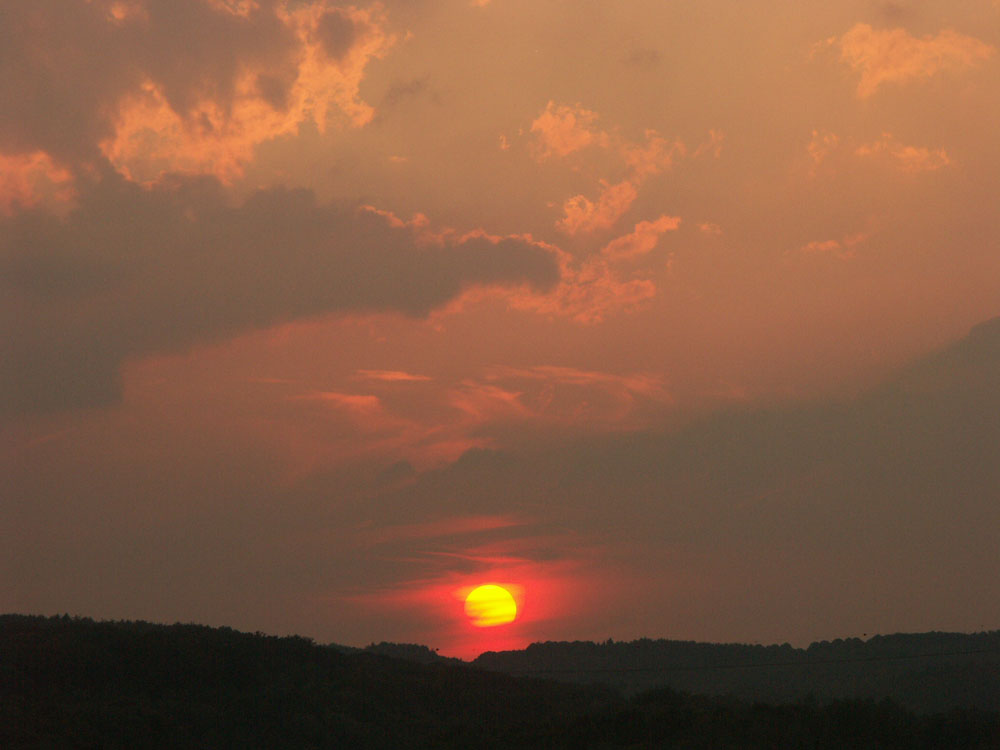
(137, 270)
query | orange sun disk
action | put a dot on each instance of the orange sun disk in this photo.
(490, 605)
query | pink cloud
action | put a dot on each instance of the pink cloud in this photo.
(894, 56)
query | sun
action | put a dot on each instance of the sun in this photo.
(490, 605)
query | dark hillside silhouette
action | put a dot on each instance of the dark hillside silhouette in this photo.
(924, 672)
(71, 682)
(135, 684)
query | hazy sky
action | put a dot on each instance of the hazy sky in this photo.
(315, 315)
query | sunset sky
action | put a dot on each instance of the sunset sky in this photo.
(674, 317)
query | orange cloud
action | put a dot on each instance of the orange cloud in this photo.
(217, 135)
(592, 289)
(562, 129)
(894, 56)
(236, 7)
(28, 179)
(577, 396)
(643, 239)
(907, 158)
(655, 156)
(391, 376)
(482, 401)
(712, 146)
(821, 145)
(842, 248)
(588, 294)
(362, 404)
(584, 215)
(121, 12)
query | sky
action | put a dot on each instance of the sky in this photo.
(677, 319)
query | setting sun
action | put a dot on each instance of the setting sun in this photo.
(490, 605)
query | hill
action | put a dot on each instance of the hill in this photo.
(71, 682)
(925, 672)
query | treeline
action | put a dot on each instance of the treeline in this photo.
(925, 672)
(71, 682)
(75, 683)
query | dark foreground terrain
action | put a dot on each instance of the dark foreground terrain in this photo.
(70, 682)
(924, 672)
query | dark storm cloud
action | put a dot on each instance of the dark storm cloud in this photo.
(133, 271)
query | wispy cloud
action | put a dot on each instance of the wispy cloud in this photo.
(392, 376)
(907, 158)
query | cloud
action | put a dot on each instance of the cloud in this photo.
(595, 287)
(584, 215)
(842, 248)
(642, 239)
(587, 293)
(391, 376)
(907, 158)
(361, 404)
(826, 148)
(821, 493)
(582, 399)
(822, 144)
(134, 270)
(655, 156)
(191, 85)
(894, 56)
(29, 179)
(487, 402)
(563, 129)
